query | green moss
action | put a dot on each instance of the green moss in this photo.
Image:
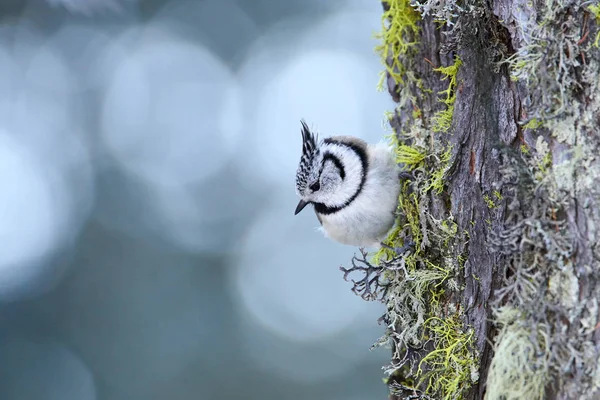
(409, 156)
(420, 283)
(490, 202)
(442, 120)
(408, 218)
(533, 124)
(451, 367)
(393, 239)
(450, 72)
(398, 37)
(410, 300)
(417, 298)
(388, 115)
(409, 207)
(436, 181)
(417, 113)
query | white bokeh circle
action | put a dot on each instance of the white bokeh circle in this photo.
(293, 301)
(29, 212)
(328, 77)
(163, 112)
(45, 173)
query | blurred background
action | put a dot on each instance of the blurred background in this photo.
(149, 248)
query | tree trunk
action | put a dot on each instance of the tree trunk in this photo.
(492, 289)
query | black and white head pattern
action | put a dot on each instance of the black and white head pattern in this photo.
(331, 173)
(310, 154)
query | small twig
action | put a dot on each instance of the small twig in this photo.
(369, 287)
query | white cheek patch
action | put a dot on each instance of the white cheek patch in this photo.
(353, 173)
(330, 176)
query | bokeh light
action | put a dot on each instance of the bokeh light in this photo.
(282, 280)
(159, 113)
(302, 308)
(31, 217)
(33, 370)
(319, 79)
(47, 194)
(147, 160)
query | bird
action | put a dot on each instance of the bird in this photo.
(353, 187)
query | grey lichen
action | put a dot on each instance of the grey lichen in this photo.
(540, 220)
(443, 11)
(524, 363)
(547, 309)
(550, 59)
(433, 351)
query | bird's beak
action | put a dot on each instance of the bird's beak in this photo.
(300, 206)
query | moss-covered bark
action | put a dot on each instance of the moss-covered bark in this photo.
(498, 121)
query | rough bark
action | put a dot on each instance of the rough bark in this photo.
(514, 224)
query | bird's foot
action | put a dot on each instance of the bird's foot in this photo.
(405, 175)
(400, 250)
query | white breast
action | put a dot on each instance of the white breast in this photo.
(368, 219)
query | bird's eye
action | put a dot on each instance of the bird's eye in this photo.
(315, 186)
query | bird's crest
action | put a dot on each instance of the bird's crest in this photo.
(309, 152)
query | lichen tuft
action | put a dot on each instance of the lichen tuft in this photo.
(450, 365)
(398, 38)
(442, 120)
(520, 369)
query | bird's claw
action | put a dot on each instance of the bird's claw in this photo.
(400, 250)
(405, 175)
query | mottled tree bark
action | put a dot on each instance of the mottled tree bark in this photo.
(520, 192)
